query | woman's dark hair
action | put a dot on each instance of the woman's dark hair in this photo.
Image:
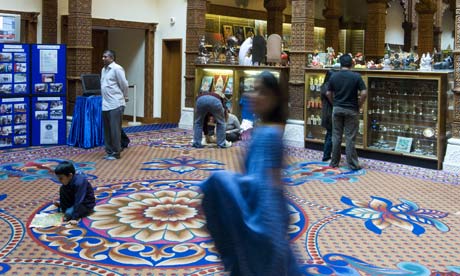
(279, 113)
(65, 168)
(346, 61)
(328, 76)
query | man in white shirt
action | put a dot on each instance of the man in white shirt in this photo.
(114, 91)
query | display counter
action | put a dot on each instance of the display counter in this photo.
(405, 114)
(234, 81)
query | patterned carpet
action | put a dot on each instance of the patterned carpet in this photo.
(387, 219)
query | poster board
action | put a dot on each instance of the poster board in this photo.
(14, 122)
(48, 121)
(14, 70)
(48, 69)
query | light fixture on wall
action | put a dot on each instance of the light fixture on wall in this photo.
(172, 21)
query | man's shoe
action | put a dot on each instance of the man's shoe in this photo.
(112, 157)
(226, 144)
(198, 146)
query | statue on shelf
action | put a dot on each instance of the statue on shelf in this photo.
(231, 53)
(330, 56)
(425, 62)
(203, 55)
(386, 62)
(396, 62)
(448, 63)
(217, 50)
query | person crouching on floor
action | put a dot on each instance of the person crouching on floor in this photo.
(76, 195)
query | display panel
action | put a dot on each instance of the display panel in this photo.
(14, 69)
(48, 120)
(14, 123)
(48, 69)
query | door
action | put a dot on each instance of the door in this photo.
(171, 81)
(100, 44)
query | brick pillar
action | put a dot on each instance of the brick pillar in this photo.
(425, 10)
(275, 10)
(49, 21)
(374, 46)
(407, 26)
(79, 48)
(303, 23)
(196, 11)
(332, 13)
(456, 123)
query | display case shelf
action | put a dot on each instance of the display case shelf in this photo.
(405, 113)
(237, 81)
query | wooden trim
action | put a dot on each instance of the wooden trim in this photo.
(113, 23)
(148, 73)
(142, 119)
(241, 13)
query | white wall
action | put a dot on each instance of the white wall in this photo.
(131, 57)
(448, 25)
(25, 6)
(394, 33)
(149, 11)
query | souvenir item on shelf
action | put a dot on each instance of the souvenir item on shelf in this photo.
(231, 54)
(396, 62)
(425, 62)
(203, 55)
(386, 62)
(428, 132)
(219, 83)
(206, 84)
(258, 50)
(229, 86)
(447, 63)
(274, 48)
(312, 84)
(403, 144)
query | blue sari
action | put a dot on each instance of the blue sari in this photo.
(247, 214)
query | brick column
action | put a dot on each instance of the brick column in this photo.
(49, 21)
(374, 46)
(196, 11)
(275, 10)
(456, 123)
(332, 13)
(79, 48)
(407, 26)
(425, 10)
(303, 23)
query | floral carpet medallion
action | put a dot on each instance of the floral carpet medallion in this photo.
(41, 169)
(183, 164)
(380, 213)
(143, 224)
(176, 142)
(302, 172)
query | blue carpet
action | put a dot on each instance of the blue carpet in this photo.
(142, 128)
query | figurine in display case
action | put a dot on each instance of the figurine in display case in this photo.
(425, 62)
(203, 55)
(396, 62)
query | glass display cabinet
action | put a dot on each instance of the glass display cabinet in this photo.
(233, 81)
(406, 113)
(314, 132)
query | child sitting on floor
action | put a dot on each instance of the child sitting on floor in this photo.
(76, 194)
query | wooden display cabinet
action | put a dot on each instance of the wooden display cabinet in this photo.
(238, 80)
(406, 114)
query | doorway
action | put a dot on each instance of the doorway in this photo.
(171, 80)
(100, 41)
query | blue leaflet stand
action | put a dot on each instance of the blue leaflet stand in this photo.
(48, 121)
(14, 70)
(14, 122)
(49, 75)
